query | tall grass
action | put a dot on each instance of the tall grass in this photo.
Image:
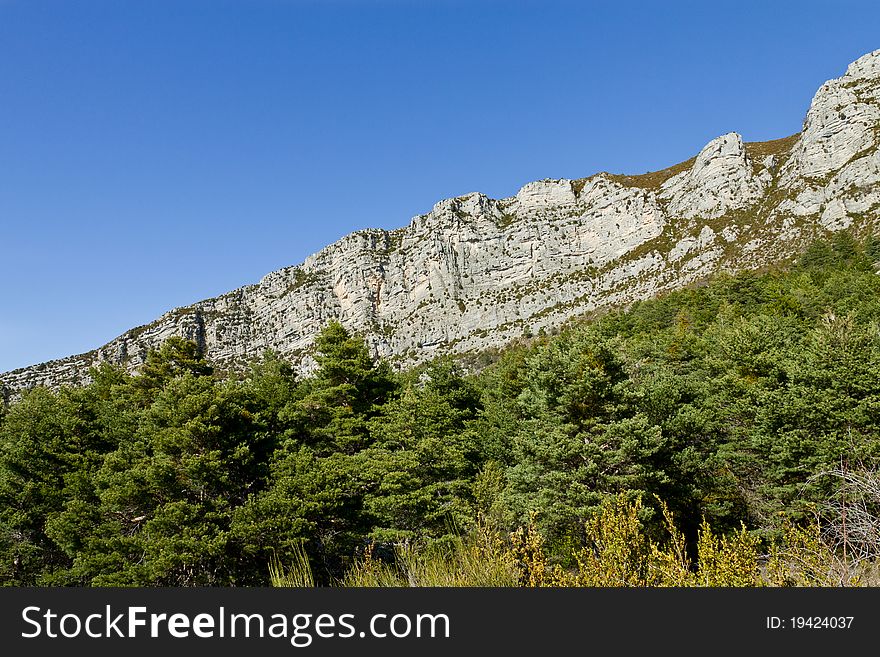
(479, 558)
(297, 574)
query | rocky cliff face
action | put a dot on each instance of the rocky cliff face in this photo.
(475, 272)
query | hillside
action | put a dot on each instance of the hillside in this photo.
(476, 272)
(749, 401)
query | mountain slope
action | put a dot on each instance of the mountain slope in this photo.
(475, 272)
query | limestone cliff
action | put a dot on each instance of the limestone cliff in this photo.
(475, 272)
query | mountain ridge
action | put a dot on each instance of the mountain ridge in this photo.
(476, 272)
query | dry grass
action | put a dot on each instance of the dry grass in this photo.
(298, 574)
(479, 559)
(652, 179)
(758, 150)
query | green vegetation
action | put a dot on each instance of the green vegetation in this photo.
(302, 278)
(722, 435)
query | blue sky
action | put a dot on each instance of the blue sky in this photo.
(156, 153)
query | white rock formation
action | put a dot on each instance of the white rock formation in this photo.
(722, 179)
(475, 272)
(834, 169)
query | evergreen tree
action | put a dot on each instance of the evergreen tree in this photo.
(163, 500)
(581, 438)
(316, 488)
(424, 461)
(348, 388)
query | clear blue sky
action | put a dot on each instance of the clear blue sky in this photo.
(156, 153)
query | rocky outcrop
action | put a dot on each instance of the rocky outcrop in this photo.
(721, 179)
(835, 166)
(475, 272)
